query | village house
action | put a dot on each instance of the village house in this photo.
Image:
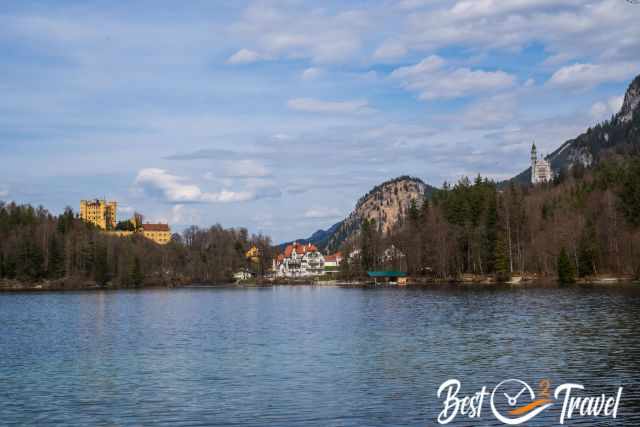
(333, 260)
(159, 233)
(299, 260)
(253, 254)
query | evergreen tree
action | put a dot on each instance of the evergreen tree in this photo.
(587, 251)
(566, 270)
(502, 262)
(30, 264)
(629, 194)
(55, 267)
(137, 276)
(491, 234)
(87, 257)
(367, 244)
(414, 212)
(65, 221)
(101, 266)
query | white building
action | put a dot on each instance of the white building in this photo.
(540, 168)
(299, 261)
(242, 275)
(333, 261)
(391, 254)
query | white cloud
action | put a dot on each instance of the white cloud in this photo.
(281, 137)
(4, 192)
(245, 169)
(413, 4)
(606, 29)
(244, 56)
(322, 213)
(495, 111)
(432, 80)
(480, 8)
(294, 31)
(311, 105)
(602, 110)
(171, 188)
(589, 75)
(430, 64)
(312, 73)
(177, 215)
(177, 212)
(390, 50)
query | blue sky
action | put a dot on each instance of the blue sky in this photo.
(278, 115)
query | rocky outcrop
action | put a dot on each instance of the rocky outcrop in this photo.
(385, 204)
(631, 102)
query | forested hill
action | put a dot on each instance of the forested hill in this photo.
(620, 134)
(586, 221)
(63, 252)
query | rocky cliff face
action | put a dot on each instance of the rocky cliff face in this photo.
(631, 102)
(620, 135)
(385, 204)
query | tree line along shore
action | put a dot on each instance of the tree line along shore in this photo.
(583, 225)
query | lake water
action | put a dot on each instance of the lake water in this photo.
(307, 356)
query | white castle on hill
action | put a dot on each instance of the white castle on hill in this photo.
(540, 168)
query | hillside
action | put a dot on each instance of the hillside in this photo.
(621, 135)
(385, 203)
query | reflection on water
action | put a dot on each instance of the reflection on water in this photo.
(286, 356)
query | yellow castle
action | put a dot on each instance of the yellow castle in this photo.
(103, 214)
(159, 233)
(100, 213)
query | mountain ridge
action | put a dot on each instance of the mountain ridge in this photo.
(620, 134)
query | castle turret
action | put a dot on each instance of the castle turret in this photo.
(534, 159)
(534, 153)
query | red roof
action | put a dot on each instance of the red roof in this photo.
(287, 251)
(300, 249)
(333, 258)
(155, 227)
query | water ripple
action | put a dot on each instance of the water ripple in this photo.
(301, 356)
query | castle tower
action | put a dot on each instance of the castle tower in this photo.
(534, 153)
(100, 213)
(534, 160)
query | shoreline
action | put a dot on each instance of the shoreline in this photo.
(64, 285)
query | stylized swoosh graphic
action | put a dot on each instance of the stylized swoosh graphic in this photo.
(530, 407)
